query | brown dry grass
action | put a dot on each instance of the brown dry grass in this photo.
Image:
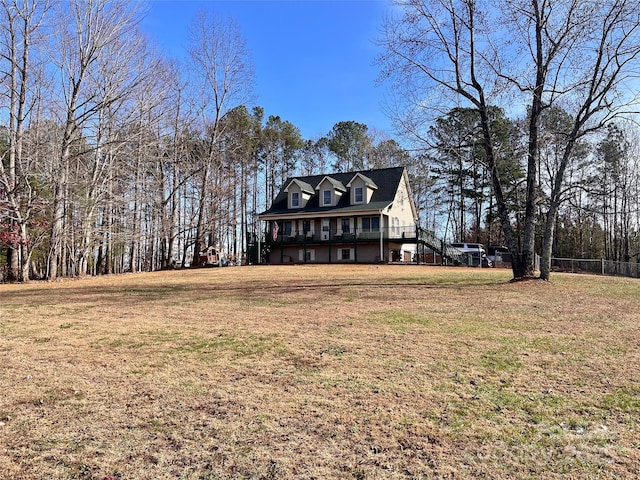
(326, 372)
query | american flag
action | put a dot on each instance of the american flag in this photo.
(275, 231)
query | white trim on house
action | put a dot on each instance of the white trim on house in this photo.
(341, 252)
(311, 255)
(327, 197)
(325, 214)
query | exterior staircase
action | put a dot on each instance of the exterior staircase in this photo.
(446, 251)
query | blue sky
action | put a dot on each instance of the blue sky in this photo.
(313, 59)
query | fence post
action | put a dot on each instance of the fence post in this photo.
(602, 266)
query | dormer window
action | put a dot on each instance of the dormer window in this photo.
(358, 195)
(362, 189)
(326, 198)
(299, 192)
(330, 191)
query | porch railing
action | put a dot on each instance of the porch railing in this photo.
(407, 233)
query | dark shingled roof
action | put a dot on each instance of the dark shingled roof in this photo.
(386, 179)
(304, 186)
(337, 184)
(367, 180)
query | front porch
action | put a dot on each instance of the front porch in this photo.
(406, 234)
(334, 246)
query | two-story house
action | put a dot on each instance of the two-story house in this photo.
(356, 217)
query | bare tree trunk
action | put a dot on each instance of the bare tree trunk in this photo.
(85, 33)
(174, 207)
(136, 230)
(20, 24)
(554, 205)
(202, 203)
(59, 202)
(224, 72)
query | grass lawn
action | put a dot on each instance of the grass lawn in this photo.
(325, 372)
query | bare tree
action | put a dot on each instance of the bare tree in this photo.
(223, 74)
(536, 53)
(85, 33)
(129, 89)
(603, 54)
(20, 34)
(172, 163)
(441, 49)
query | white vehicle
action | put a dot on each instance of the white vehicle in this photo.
(469, 247)
(475, 253)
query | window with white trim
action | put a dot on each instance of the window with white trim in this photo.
(326, 198)
(308, 256)
(358, 195)
(371, 224)
(345, 253)
(346, 225)
(295, 199)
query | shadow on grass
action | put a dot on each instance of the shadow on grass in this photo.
(131, 293)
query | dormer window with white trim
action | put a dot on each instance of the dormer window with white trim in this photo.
(330, 191)
(326, 198)
(298, 193)
(362, 188)
(358, 195)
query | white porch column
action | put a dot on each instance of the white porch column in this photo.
(381, 237)
(259, 237)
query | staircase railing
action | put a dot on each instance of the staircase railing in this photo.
(439, 246)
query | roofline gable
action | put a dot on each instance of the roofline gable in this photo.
(387, 181)
(368, 182)
(304, 186)
(338, 185)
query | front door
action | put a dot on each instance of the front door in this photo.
(325, 229)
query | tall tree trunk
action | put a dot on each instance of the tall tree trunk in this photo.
(20, 22)
(56, 236)
(136, 230)
(555, 200)
(200, 241)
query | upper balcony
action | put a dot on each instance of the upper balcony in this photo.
(405, 234)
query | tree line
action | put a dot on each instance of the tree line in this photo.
(531, 58)
(599, 212)
(117, 159)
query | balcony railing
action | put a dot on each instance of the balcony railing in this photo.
(388, 233)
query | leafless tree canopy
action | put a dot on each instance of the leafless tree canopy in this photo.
(525, 56)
